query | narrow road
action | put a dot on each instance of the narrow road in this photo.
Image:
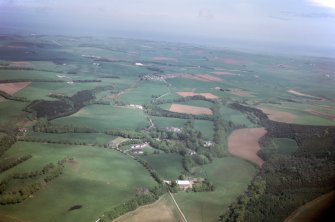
(178, 207)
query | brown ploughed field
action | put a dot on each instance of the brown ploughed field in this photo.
(195, 110)
(244, 144)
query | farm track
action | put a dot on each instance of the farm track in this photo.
(175, 202)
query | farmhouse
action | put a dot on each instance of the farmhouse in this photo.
(136, 106)
(139, 146)
(184, 184)
(190, 152)
(173, 129)
(208, 143)
(137, 151)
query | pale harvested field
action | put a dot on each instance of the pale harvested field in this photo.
(14, 87)
(159, 58)
(240, 92)
(206, 95)
(210, 78)
(302, 94)
(232, 61)
(328, 107)
(195, 110)
(244, 144)
(162, 210)
(202, 77)
(225, 73)
(321, 114)
(20, 64)
(279, 116)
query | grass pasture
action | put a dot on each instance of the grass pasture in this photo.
(11, 112)
(144, 92)
(168, 165)
(230, 176)
(41, 90)
(285, 146)
(106, 117)
(27, 74)
(88, 138)
(235, 116)
(97, 179)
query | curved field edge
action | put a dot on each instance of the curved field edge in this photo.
(244, 143)
(98, 179)
(316, 210)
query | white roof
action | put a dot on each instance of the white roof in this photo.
(183, 182)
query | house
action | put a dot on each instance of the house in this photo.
(173, 129)
(208, 143)
(139, 146)
(184, 184)
(138, 151)
(190, 152)
(135, 106)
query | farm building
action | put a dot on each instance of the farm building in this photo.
(184, 184)
(208, 143)
(138, 146)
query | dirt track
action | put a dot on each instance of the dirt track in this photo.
(244, 144)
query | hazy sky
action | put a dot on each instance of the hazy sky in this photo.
(299, 23)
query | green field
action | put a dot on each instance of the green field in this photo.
(235, 116)
(41, 90)
(11, 112)
(230, 176)
(106, 117)
(144, 92)
(88, 138)
(285, 146)
(98, 179)
(27, 74)
(168, 165)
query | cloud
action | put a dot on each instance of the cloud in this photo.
(205, 13)
(324, 3)
(312, 15)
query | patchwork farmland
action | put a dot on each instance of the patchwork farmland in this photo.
(103, 129)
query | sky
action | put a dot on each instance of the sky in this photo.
(305, 25)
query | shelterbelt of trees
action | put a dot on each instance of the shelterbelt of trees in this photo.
(286, 182)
